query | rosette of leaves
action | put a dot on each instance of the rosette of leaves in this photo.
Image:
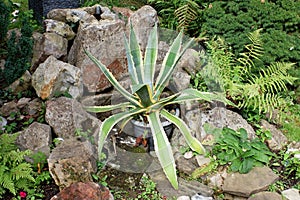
(145, 97)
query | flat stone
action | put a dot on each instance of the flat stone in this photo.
(265, 196)
(291, 194)
(186, 188)
(244, 185)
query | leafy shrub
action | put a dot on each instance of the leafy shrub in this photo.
(19, 51)
(5, 10)
(234, 148)
(15, 173)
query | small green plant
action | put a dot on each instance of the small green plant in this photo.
(86, 135)
(145, 98)
(147, 190)
(233, 148)
(15, 173)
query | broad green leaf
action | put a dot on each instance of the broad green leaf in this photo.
(246, 166)
(131, 66)
(163, 148)
(110, 122)
(136, 54)
(112, 79)
(235, 165)
(150, 57)
(191, 141)
(97, 109)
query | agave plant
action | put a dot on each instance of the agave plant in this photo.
(145, 97)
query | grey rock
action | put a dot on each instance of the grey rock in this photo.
(60, 28)
(186, 165)
(3, 123)
(54, 76)
(66, 116)
(183, 198)
(186, 188)
(48, 44)
(244, 185)
(8, 108)
(37, 137)
(265, 196)
(200, 197)
(291, 194)
(103, 40)
(72, 161)
(143, 20)
(278, 140)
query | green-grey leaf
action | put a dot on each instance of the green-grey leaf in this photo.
(191, 141)
(97, 109)
(163, 148)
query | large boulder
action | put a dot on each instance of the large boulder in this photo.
(48, 44)
(37, 137)
(66, 116)
(104, 40)
(60, 28)
(54, 76)
(72, 161)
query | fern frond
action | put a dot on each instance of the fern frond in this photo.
(8, 183)
(22, 171)
(186, 14)
(253, 50)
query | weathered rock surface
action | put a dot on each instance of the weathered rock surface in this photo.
(278, 140)
(72, 161)
(265, 196)
(186, 188)
(66, 115)
(48, 44)
(60, 28)
(291, 194)
(143, 20)
(84, 191)
(37, 137)
(103, 40)
(244, 185)
(54, 76)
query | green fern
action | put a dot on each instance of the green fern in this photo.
(15, 172)
(250, 85)
(186, 14)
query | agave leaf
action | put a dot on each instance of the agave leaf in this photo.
(169, 63)
(191, 141)
(110, 122)
(112, 79)
(150, 57)
(144, 93)
(163, 148)
(136, 54)
(131, 66)
(193, 94)
(97, 109)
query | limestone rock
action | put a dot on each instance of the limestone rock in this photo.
(200, 197)
(8, 108)
(66, 115)
(84, 191)
(143, 20)
(37, 137)
(257, 180)
(291, 194)
(54, 76)
(72, 161)
(60, 28)
(186, 165)
(278, 140)
(103, 40)
(48, 44)
(265, 196)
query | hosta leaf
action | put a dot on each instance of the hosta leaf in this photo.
(246, 166)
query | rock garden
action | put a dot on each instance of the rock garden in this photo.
(215, 124)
